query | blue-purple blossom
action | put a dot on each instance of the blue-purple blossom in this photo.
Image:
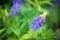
(17, 1)
(37, 23)
(56, 2)
(16, 6)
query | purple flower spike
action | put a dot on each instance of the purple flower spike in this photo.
(17, 1)
(16, 6)
(56, 2)
(38, 22)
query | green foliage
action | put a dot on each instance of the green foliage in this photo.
(18, 27)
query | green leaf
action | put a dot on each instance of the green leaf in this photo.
(2, 30)
(16, 31)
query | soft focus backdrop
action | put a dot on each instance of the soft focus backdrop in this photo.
(16, 18)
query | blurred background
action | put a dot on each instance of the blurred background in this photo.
(16, 26)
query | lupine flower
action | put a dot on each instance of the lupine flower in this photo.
(56, 2)
(38, 22)
(16, 6)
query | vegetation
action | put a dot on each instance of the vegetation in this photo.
(17, 27)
